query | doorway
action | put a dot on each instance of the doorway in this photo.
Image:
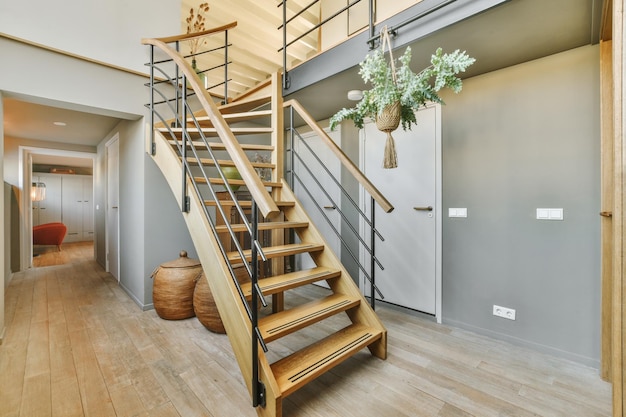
(29, 157)
(411, 252)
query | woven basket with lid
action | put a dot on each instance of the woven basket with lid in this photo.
(174, 284)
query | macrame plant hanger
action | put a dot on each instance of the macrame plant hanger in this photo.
(389, 118)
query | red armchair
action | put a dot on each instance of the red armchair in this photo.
(49, 234)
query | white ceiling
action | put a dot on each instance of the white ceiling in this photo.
(517, 31)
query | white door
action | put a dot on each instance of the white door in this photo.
(410, 253)
(112, 208)
(49, 209)
(73, 207)
(327, 204)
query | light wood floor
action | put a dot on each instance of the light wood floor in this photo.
(76, 345)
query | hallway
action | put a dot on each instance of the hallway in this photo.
(77, 345)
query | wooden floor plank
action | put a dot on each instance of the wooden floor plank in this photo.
(107, 357)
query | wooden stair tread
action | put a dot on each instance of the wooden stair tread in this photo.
(247, 203)
(301, 367)
(212, 132)
(220, 146)
(280, 324)
(278, 251)
(226, 162)
(244, 105)
(284, 282)
(219, 181)
(264, 226)
(205, 121)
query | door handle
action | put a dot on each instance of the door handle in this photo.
(330, 207)
(114, 207)
(429, 208)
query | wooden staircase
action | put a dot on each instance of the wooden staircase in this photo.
(256, 124)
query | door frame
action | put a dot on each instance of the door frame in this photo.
(25, 169)
(115, 138)
(364, 201)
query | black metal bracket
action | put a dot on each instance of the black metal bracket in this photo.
(260, 399)
(187, 204)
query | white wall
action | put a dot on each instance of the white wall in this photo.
(3, 242)
(108, 31)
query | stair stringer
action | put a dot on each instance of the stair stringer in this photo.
(227, 300)
(344, 284)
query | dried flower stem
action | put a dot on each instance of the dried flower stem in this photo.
(195, 23)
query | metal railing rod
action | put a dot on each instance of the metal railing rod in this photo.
(304, 9)
(345, 245)
(394, 29)
(206, 51)
(218, 205)
(372, 266)
(341, 213)
(343, 190)
(319, 25)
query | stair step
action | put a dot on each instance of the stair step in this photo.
(220, 146)
(303, 366)
(280, 324)
(244, 105)
(219, 181)
(211, 132)
(279, 251)
(205, 121)
(226, 162)
(247, 203)
(264, 226)
(280, 283)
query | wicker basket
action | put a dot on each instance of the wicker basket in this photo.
(204, 303)
(389, 119)
(174, 283)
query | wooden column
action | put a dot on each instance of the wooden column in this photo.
(618, 316)
(278, 156)
(607, 156)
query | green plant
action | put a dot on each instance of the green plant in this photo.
(391, 84)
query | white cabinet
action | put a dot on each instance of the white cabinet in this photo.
(49, 209)
(77, 207)
(69, 199)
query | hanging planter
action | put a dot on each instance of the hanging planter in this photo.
(391, 85)
(387, 121)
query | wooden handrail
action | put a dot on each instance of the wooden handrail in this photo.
(266, 205)
(189, 36)
(343, 158)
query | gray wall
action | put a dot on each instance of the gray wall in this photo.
(71, 84)
(515, 140)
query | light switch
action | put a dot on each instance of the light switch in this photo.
(457, 212)
(556, 214)
(549, 214)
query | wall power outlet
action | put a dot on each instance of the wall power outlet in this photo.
(504, 312)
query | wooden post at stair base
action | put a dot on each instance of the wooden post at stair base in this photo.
(606, 204)
(619, 223)
(278, 156)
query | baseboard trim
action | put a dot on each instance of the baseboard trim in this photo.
(142, 306)
(574, 357)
